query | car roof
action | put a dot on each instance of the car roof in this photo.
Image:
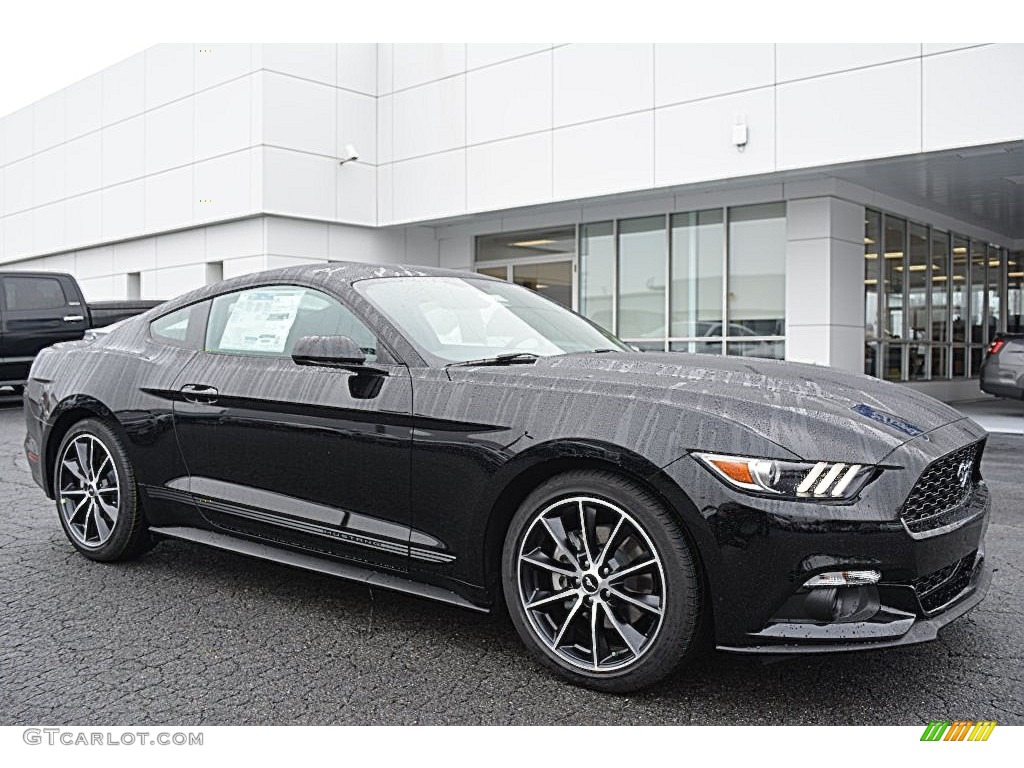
(337, 275)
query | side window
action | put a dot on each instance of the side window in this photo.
(269, 320)
(33, 293)
(173, 327)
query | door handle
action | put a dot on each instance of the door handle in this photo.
(199, 393)
(73, 318)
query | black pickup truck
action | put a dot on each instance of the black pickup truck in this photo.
(38, 309)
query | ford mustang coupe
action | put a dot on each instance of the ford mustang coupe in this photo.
(463, 439)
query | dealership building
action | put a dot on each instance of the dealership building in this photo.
(859, 206)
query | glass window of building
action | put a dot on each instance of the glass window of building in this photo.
(872, 270)
(643, 257)
(1014, 292)
(597, 273)
(942, 296)
(698, 242)
(917, 278)
(541, 260)
(757, 270)
(940, 303)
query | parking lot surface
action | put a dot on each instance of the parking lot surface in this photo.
(188, 635)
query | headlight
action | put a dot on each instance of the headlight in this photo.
(791, 479)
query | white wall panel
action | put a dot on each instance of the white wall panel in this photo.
(170, 138)
(823, 120)
(188, 247)
(509, 99)
(48, 121)
(135, 255)
(357, 67)
(234, 238)
(973, 97)
(99, 288)
(124, 89)
(298, 114)
(83, 171)
(223, 187)
(178, 280)
(170, 73)
(169, 199)
(693, 142)
(299, 184)
(294, 237)
(509, 173)
(799, 60)
(94, 262)
(124, 210)
(688, 71)
(17, 232)
(19, 184)
(931, 48)
(607, 156)
(83, 106)
(312, 61)
(385, 195)
(17, 135)
(223, 119)
(385, 68)
(357, 194)
(485, 54)
(430, 118)
(48, 228)
(385, 129)
(430, 187)
(244, 265)
(217, 63)
(124, 151)
(82, 219)
(357, 125)
(48, 175)
(417, 63)
(595, 80)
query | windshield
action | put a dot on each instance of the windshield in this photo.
(457, 319)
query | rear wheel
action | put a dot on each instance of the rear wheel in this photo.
(600, 582)
(97, 500)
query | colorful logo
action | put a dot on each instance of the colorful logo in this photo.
(958, 730)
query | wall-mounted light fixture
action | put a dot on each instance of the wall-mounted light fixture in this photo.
(350, 154)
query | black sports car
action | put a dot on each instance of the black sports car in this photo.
(464, 439)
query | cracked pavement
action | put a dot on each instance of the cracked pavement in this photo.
(188, 635)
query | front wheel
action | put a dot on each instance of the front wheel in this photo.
(600, 582)
(97, 500)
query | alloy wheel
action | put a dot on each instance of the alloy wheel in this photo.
(591, 584)
(88, 490)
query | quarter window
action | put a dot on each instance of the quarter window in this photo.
(268, 321)
(173, 327)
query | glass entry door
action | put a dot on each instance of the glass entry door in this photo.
(541, 260)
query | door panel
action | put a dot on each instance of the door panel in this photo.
(298, 453)
(37, 311)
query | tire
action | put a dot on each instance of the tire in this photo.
(631, 643)
(98, 510)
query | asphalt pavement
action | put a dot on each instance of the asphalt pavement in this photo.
(188, 635)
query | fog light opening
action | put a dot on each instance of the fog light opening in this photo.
(843, 579)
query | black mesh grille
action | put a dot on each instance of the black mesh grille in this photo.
(940, 587)
(941, 487)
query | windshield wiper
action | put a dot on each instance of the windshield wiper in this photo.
(509, 358)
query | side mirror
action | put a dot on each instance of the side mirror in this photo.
(329, 351)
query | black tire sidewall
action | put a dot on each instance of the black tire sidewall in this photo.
(129, 528)
(683, 599)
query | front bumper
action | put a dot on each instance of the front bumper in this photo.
(918, 630)
(757, 553)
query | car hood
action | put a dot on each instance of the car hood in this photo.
(813, 412)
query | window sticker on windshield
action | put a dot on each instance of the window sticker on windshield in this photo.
(260, 321)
